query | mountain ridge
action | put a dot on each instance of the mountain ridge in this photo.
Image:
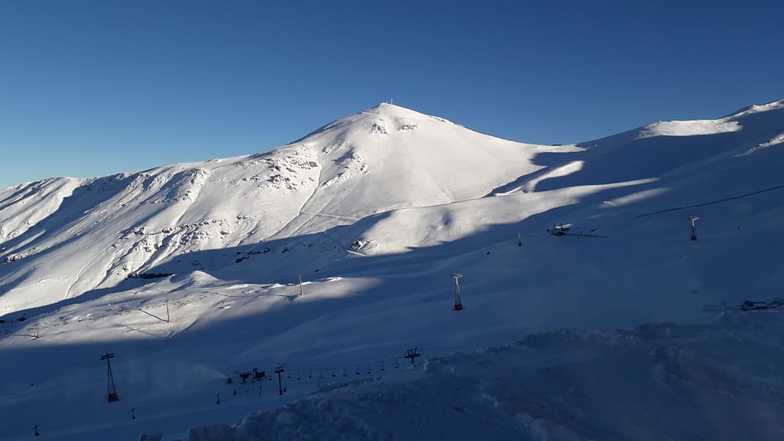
(379, 160)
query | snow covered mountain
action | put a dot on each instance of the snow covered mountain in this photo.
(63, 237)
(373, 212)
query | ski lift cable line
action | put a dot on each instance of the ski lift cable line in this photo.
(322, 375)
(428, 351)
(154, 316)
(327, 367)
(690, 206)
(715, 201)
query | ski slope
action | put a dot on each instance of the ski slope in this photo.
(654, 382)
(373, 212)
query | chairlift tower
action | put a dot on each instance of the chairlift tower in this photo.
(693, 227)
(279, 370)
(111, 389)
(458, 306)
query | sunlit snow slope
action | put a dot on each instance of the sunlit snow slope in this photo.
(62, 237)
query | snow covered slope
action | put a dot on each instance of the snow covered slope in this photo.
(662, 381)
(64, 237)
(191, 272)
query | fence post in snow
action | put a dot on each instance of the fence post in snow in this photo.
(279, 370)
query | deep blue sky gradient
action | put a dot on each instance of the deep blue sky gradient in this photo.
(96, 87)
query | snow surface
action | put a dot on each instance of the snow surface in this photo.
(374, 212)
(657, 381)
(689, 128)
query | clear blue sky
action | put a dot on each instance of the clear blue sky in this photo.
(95, 87)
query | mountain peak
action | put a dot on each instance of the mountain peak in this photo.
(385, 109)
(383, 105)
(379, 119)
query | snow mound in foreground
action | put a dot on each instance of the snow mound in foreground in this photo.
(715, 381)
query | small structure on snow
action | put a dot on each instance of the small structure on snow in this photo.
(412, 354)
(560, 229)
(750, 305)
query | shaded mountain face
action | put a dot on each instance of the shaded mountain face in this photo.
(382, 181)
